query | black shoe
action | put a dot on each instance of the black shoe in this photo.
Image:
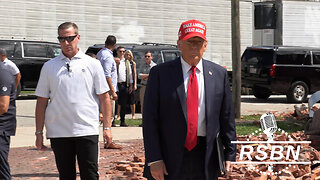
(123, 124)
(113, 124)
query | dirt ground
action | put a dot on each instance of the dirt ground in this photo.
(29, 163)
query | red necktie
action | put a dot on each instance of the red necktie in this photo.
(192, 110)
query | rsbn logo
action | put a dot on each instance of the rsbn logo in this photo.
(270, 152)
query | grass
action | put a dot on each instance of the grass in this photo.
(289, 127)
(256, 117)
(131, 122)
(247, 125)
(26, 92)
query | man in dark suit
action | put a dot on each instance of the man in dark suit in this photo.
(187, 102)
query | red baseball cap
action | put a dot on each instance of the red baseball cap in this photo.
(192, 28)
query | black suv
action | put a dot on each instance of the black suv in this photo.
(293, 71)
(161, 52)
(29, 56)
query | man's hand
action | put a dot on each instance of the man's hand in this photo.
(228, 167)
(107, 135)
(130, 89)
(39, 143)
(144, 76)
(158, 170)
(114, 96)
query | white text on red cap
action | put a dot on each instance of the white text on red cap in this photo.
(194, 25)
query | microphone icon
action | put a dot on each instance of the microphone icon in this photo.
(269, 125)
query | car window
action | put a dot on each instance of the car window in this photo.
(17, 50)
(295, 59)
(258, 57)
(34, 50)
(157, 58)
(170, 55)
(316, 58)
(53, 51)
(9, 47)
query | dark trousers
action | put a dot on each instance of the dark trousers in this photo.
(194, 162)
(66, 150)
(123, 99)
(4, 152)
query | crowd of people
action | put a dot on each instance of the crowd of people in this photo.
(184, 104)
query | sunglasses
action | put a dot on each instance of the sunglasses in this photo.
(147, 56)
(68, 38)
(122, 51)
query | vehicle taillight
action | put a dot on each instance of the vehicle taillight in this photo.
(273, 70)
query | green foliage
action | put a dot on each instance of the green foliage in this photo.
(26, 92)
(131, 122)
(247, 125)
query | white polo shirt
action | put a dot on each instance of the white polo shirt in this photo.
(73, 109)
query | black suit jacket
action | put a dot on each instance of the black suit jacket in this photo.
(165, 114)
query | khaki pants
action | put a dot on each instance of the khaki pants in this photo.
(113, 103)
(142, 91)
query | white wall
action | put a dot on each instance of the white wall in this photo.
(129, 20)
(301, 23)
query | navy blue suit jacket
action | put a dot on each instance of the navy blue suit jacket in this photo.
(165, 114)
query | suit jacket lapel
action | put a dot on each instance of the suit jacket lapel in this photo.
(209, 86)
(180, 90)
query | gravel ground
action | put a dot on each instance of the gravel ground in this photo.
(29, 163)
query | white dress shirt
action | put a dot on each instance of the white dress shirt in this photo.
(201, 106)
(122, 72)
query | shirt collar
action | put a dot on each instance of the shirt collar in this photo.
(111, 52)
(79, 55)
(186, 67)
(5, 60)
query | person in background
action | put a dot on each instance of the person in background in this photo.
(129, 56)
(144, 74)
(77, 89)
(9, 66)
(109, 66)
(7, 119)
(187, 103)
(125, 84)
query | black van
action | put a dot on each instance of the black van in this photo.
(29, 56)
(290, 70)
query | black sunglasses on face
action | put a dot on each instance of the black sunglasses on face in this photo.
(147, 56)
(68, 38)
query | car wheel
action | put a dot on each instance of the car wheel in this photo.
(298, 92)
(261, 93)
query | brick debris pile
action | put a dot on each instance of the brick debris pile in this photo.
(132, 169)
(307, 153)
(280, 171)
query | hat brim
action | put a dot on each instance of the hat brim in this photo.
(194, 34)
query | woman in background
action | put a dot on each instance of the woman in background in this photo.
(129, 56)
